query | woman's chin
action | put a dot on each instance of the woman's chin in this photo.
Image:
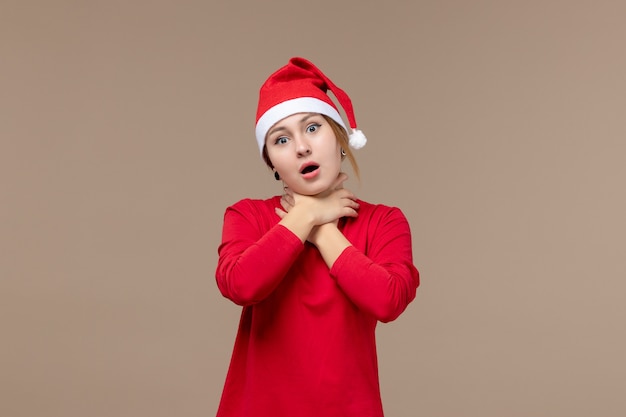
(310, 190)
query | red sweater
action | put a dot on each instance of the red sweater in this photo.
(306, 340)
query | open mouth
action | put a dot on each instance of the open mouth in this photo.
(309, 168)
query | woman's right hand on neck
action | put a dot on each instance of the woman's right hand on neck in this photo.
(301, 213)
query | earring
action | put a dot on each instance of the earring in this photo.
(343, 152)
(276, 176)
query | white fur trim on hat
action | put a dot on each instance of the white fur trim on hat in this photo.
(293, 106)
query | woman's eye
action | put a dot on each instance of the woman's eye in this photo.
(312, 128)
(280, 140)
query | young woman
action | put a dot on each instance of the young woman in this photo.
(314, 269)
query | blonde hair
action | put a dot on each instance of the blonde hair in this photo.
(342, 138)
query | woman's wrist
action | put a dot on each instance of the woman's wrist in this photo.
(299, 222)
(330, 242)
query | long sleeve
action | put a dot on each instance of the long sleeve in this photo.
(384, 281)
(255, 254)
(306, 343)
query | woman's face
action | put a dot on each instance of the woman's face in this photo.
(305, 152)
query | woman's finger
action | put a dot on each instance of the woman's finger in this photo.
(350, 212)
(280, 213)
(344, 193)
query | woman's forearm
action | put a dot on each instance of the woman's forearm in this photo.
(330, 242)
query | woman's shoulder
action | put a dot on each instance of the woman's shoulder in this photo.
(378, 210)
(374, 222)
(256, 206)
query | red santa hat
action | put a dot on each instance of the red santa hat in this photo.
(300, 87)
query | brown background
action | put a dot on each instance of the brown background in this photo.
(498, 128)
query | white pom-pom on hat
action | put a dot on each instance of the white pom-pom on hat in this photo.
(357, 139)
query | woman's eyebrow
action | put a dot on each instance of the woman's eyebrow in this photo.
(307, 117)
(279, 128)
(276, 129)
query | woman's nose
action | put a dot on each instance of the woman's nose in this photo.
(303, 148)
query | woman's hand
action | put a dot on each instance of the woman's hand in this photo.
(314, 218)
(326, 207)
